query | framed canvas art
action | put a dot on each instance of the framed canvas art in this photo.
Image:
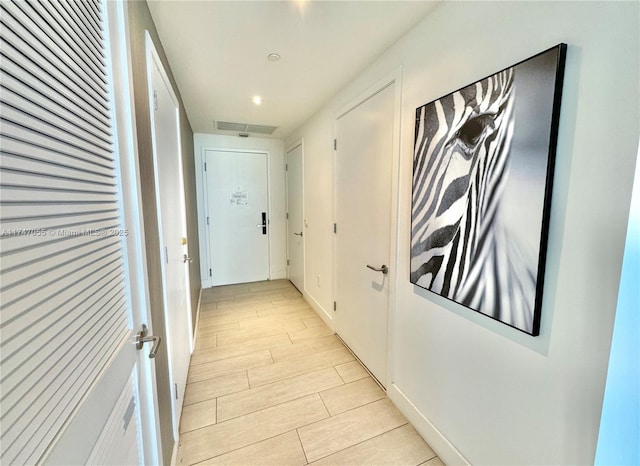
(482, 178)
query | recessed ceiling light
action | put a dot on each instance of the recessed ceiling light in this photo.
(273, 57)
(257, 99)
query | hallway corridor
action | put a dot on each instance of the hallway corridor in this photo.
(269, 384)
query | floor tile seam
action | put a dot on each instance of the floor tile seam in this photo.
(356, 407)
(234, 372)
(281, 359)
(214, 398)
(314, 353)
(367, 440)
(425, 462)
(191, 364)
(241, 448)
(306, 459)
(241, 354)
(282, 380)
(291, 376)
(228, 357)
(263, 409)
(184, 405)
(298, 397)
(257, 325)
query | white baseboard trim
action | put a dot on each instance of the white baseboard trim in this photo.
(326, 317)
(438, 442)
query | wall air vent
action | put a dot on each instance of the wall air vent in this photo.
(245, 127)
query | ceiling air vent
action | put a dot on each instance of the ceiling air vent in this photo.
(261, 129)
(245, 127)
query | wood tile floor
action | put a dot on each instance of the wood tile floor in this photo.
(269, 384)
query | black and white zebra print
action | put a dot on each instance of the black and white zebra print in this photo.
(460, 248)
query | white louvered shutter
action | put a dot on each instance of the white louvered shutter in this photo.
(62, 294)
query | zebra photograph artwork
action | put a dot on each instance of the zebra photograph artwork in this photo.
(482, 176)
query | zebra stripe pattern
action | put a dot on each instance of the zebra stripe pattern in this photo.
(460, 249)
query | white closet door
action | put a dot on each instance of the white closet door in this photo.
(70, 371)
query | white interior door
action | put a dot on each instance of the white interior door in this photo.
(237, 214)
(364, 160)
(74, 389)
(171, 210)
(295, 224)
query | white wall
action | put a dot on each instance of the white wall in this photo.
(478, 390)
(277, 201)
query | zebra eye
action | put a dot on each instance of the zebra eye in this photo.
(472, 131)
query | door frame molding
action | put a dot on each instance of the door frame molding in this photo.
(152, 57)
(394, 79)
(207, 281)
(119, 52)
(298, 143)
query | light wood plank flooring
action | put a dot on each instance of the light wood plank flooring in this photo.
(269, 384)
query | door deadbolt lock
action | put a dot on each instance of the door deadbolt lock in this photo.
(142, 338)
(183, 241)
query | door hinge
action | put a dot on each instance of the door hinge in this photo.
(287, 261)
(207, 221)
(205, 166)
(166, 254)
(176, 386)
(286, 167)
(287, 215)
(335, 228)
(335, 306)
(335, 144)
(209, 272)
(155, 100)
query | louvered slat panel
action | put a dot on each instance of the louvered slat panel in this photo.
(15, 111)
(59, 115)
(70, 19)
(50, 49)
(30, 137)
(89, 14)
(76, 219)
(59, 229)
(21, 51)
(90, 58)
(51, 332)
(18, 152)
(39, 166)
(63, 311)
(53, 90)
(47, 407)
(55, 256)
(14, 212)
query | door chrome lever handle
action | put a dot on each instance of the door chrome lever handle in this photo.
(298, 234)
(187, 259)
(142, 338)
(384, 269)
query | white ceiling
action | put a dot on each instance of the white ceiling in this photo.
(218, 54)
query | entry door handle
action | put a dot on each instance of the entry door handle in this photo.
(142, 338)
(384, 269)
(298, 234)
(186, 259)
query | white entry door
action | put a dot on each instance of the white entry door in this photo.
(237, 215)
(295, 222)
(363, 212)
(74, 389)
(170, 203)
